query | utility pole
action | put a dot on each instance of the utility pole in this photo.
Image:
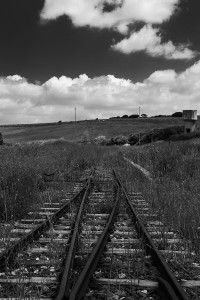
(139, 138)
(75, 113)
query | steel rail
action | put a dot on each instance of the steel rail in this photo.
(64, 286)
(7, 256)
(169, 287)
(82, 282)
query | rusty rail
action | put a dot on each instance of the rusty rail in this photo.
(169, 287)
(63, 292)
(82, 283)
(8, 255)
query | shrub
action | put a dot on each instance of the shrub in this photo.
(86, 138)
(118, 140)
(177, 114)
(144, 115)
(155, 135)
(134, 116)
(101, 140)
(133, 139)
(187, 136)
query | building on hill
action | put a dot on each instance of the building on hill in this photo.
(191, 121)
(198, 123)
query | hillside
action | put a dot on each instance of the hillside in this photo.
(73, 131)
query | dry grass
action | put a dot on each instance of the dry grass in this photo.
(174, 191)
(175, 188)
(75, 131)
(23, 168)
(175, 167)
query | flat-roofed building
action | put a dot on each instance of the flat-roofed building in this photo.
(190, 120)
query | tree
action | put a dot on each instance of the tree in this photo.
(125, 116)
(134, 116)
(177, 114)
(143, 115)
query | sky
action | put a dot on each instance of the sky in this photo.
(105, 57)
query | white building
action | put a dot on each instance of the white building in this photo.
(190, 120)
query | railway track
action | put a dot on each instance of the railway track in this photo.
(125, 262)
(32, 252)
(104, 243)
(14, 231)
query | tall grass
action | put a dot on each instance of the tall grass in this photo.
(22, 169)
(175, 168)
(175, 189)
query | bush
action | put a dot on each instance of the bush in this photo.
(134, 116)
(118, 140)
(187, 136)
(144, 115)
(133, 139)
(101, 140)
(86, 138)
(177, 114)
(155, 135)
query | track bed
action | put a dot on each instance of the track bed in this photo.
(100, 242)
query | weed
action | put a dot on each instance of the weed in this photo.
(175, 190)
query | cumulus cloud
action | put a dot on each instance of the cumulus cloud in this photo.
(93, 13)
(148, 39)
(120, 15)
(163, 92)
(15, 77)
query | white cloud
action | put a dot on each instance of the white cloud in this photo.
(91, 12)
(163, 92)
(148, 39)
(168, 76)
(15, 77)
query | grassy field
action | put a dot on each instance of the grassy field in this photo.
(23, 168)
(174, 167)
(174, 191)
(75, 131)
